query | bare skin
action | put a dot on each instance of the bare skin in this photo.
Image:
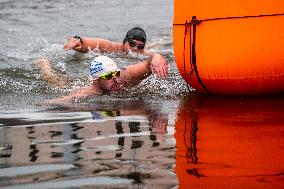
(49, 75)
(131, 76)
(102, 45)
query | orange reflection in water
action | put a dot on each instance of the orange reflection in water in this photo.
(230, 142)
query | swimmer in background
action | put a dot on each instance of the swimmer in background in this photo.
(134, 41)
(106, 76)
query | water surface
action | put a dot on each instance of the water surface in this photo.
(156, 135)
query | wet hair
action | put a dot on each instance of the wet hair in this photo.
(135, 33)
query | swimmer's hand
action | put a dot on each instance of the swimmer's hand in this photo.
(159, 66)
(73, 43)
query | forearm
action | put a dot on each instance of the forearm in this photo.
(88, 44)
(139, 71)
(96, 44)
(80, 93)
(50, 75)
(54, 79)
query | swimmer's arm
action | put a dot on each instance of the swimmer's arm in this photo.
(94, 44)
(50, 75)
(156, 64)
(135, 73)
(81, 93)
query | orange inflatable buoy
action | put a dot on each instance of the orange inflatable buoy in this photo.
(230, 47)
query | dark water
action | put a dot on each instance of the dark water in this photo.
(157, 135)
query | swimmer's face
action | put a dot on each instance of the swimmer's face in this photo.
(134, 46)
(109, 85)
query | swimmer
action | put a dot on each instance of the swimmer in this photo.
(106, 76)
(134, 41)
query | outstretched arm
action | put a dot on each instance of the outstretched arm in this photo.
(81, 93)
(49, 75)
(86, 44)
(156, 64)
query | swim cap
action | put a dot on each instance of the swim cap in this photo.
(102, 65)
(135, 33)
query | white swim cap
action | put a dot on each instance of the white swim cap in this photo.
(102, 65)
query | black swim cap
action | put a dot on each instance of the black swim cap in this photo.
(135, 33)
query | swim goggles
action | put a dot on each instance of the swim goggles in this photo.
(133, 44)
(109, 76)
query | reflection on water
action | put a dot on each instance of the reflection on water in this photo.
(114, 148)
(213, 142)
(230, 143)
